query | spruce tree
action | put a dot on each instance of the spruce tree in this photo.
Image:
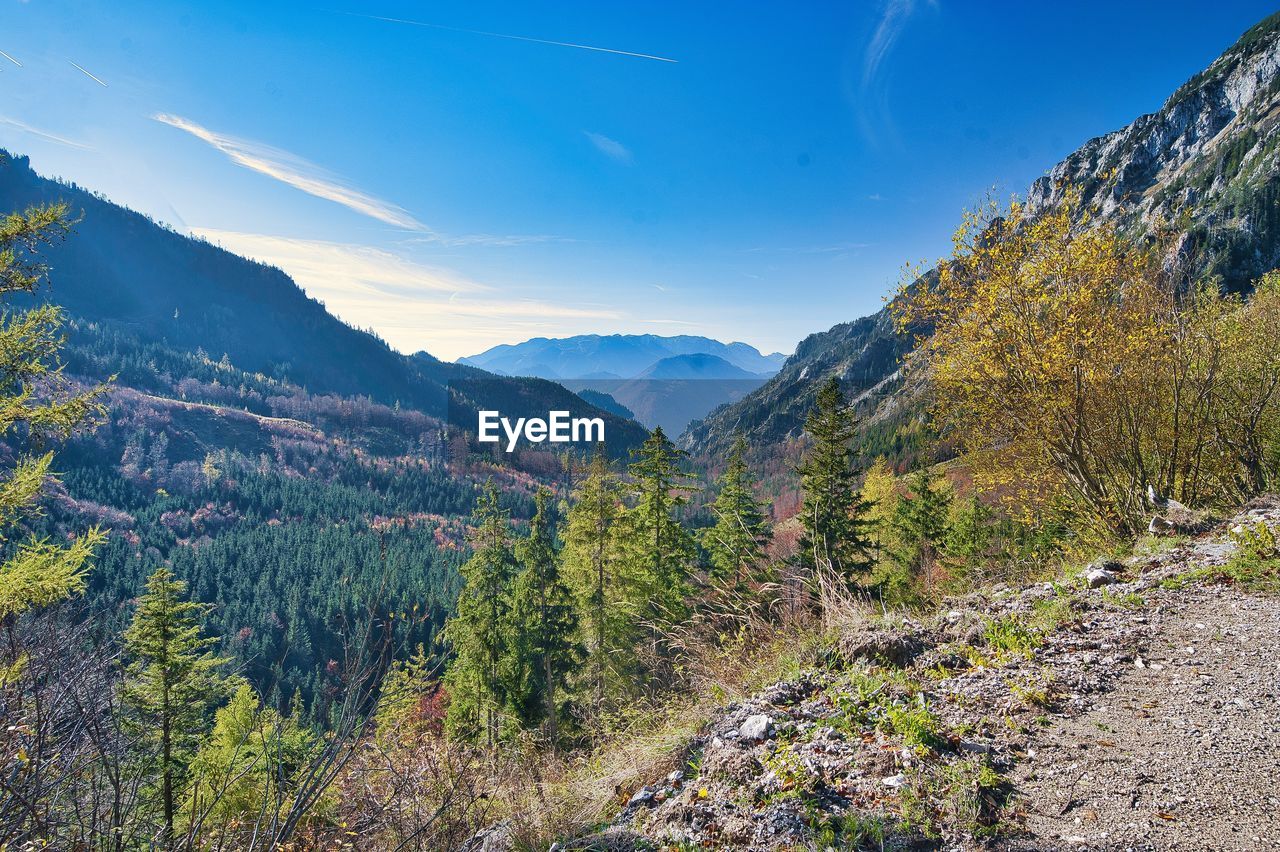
(172, 681)
(664, 547)
(544, 624)
(971, 532)
(658, 551)
(592, 548)
(832, 513)
(736, 543)
(478, 632)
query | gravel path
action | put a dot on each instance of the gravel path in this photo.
(1183, 753)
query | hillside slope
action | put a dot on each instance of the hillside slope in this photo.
(1021, 719)
(122, 269)
(1207, 163)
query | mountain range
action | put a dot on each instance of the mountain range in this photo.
(618, 356)
(125, 271)
(663, 381)
(1206, 164)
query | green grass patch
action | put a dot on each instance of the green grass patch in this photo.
(1254, 567)
(967, 795)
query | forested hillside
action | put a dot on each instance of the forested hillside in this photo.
(127, 273)
(294, 469)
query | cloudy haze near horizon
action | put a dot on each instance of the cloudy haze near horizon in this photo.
(457, 177)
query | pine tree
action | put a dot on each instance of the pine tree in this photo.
(919, 525)
(36, 398)
(172, 681)
(664, 547)
(478, 632)
(593, 568)
(544, 624)
(736, 543)
(833, 513)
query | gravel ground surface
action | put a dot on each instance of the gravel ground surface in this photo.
(1184, 751)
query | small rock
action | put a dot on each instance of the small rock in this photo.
(1159, 526)
(975, 747)
(675, 778)
(1098, 577)
(757, 727)
(643, 796)
(895, 781)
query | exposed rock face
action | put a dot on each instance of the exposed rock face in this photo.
(1212, 150)
(1207, 161)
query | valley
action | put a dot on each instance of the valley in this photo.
(993, 567)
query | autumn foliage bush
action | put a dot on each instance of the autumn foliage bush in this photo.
(1071, 361)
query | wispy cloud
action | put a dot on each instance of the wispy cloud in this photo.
(611, 148)
(512, 37)
(413, 306)
(329, 268)
(495, 240)
(296, 172)
(43, 134)
(871, 96)
(892, 20)
(681, 323)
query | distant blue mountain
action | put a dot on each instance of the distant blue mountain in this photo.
(621, 356)
(697, 366)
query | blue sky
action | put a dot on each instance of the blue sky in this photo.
(453, 188)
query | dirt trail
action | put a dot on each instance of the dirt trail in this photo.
(1183, 752)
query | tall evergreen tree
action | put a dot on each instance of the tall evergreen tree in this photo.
(663, 547)
(36, 398)
(478, 632)
(833, 512)
(736, 543)
(593, 568)
(544, 623)
(172, 681)
(658, 551)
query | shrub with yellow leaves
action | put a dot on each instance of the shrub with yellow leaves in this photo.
(1069, 361)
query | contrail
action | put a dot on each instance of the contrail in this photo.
(511, 37)
(90, 76)
(10, 58)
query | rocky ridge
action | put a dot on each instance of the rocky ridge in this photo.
(1206, 165)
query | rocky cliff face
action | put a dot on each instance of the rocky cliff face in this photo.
(1206, 164)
